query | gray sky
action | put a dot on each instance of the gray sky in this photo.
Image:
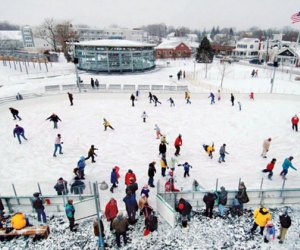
(195, 14)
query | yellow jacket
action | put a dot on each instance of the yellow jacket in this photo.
(210, 149)
(106, 123)
(18, 221)
(163, 164)
(262, 216)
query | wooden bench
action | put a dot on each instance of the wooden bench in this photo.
(42, 231)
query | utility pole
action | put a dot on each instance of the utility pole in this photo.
(275, 65)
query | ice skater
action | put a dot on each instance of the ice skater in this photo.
(266, 147)
(186, 167)
(157, 129)
(107, 124)
(57, 145)
(209, 149)
(222, 153)
(187, 97)
(19, 131)
(155, 99)
(285, 167)
(70, 98)
(240, 106)
(132, 98)
(232, 99)
(144, 116)
(15, 113)
(212, 98)
(178, 144)
(295, 121)
(269, 168)
(54, 118)
(150, 96)
(172, 103)
(91, 153)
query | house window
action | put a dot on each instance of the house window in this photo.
(251, 46)
(170, 53)
(179, 53)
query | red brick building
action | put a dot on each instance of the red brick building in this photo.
(172, 49)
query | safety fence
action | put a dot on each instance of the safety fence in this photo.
(167, 201)
(116, 88)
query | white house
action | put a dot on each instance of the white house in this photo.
(247, 48)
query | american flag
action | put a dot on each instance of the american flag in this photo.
(296, 17)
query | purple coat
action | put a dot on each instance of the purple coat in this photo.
(18, 130)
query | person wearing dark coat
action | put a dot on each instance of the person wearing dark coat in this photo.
(147, 210)
(150, 96)
(285, 223)
(61, 187)
(77, 186)
(37, 204)
(19, 131)
(209, 200)
(242, 195)
(54, 118)
(132, 98)
(15, 113)
(172, 103)
(222, 200)
(2, 216)
(232, 99)
(120, 225)
(184, 208)
(92, 154)
(113, 180)
(162, 149)
(92, 83)
(70, 98)
(155, 99)
(151, 173)
(145, 190)
(133, 186)
(151, 222)
(97, 231)
(131, 206)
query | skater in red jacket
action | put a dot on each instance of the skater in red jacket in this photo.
(128, 175)
(269, 168)
(178, 144)
(295, 121)
(111, 211)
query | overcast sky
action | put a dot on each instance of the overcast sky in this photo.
(195, 14)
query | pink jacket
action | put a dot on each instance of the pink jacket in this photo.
(57, 140)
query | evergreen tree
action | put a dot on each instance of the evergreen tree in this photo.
(204, 52)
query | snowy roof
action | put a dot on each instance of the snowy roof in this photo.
(114, 43)
(10, 35)
(172, 44)
(248, 40)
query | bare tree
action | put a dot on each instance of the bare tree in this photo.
(224, 69)
(46, 31)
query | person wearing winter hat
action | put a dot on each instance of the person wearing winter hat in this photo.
(286, 165)
(285, 223)
(269, 168)
(142, 202)
(266, 147)
(133, 186)
(131, 206)
(70, 211)
(111, 211)
(145, 191)
(222, 200)
(178, 144)
(261, 217)
(81, 166)
(113, 180)
(184, 208)
(128, 175)
(270, 232)
(120, 225)
(91, 153)
(37, 204)
(61, 187)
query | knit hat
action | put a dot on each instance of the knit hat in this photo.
(180, 206)
(36, 195)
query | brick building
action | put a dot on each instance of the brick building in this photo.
(172, 49)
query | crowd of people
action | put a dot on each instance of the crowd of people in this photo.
(118, 222)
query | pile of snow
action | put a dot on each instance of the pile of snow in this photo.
(202, 233)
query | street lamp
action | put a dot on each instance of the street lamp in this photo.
(275, 65)
(75, 61)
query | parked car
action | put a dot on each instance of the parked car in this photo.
(274, 64)
(256, 61)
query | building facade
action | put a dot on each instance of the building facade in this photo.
(172, 49)
(247, 48)
(114, 56)
(27, 36)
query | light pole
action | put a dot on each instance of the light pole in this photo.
(275, 65)
(75, 61)
(97, 202)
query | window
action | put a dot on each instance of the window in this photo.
(251, 46)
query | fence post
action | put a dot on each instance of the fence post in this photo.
(15, 193)
(98, 209)
(40, 191)
(282, 188)
(217, 182)
(260, 191)
(90, 186)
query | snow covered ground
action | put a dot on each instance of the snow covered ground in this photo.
(133, 145)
